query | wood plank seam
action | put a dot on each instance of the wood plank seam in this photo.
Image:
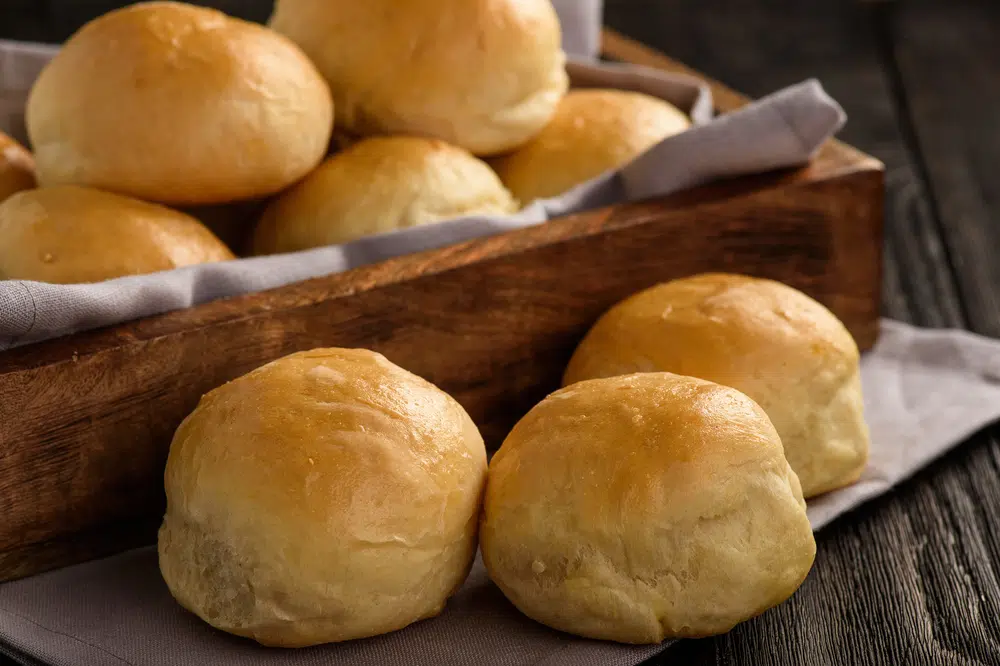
(884, 41)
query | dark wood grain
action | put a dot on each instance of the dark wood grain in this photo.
(911, 578)
(947, 56)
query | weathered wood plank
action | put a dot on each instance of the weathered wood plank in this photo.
(947, 55)
(909, 579)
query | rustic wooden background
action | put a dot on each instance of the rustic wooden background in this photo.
(914, 577)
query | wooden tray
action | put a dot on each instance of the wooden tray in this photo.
(86, 421)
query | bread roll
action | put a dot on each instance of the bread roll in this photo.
(593, 131)
(178, 104)
(17, 167)
(379, 185)
(485, 75)
(70, 234)
(327, 496)
(777, 345)
(645, 507)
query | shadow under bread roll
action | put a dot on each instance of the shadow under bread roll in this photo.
(233, 223)
(17, 167)
(71, 234)
(593, 131)
(790, 354)
(378, 185)
(645, 507)
(327, 496)
(178, 104)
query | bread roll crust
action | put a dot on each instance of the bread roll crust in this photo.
(70, 234)
(780, 347)
(327, 496)
(593, 131)
(379, 185)
(645, 507)
(17, 167)
(485, 75)
(178, 104)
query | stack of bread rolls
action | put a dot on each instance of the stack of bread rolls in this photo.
(331, 495)
(336, 121)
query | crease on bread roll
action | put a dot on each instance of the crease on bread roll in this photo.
(485, 75)
(780, 347)
(17, 167)
(645, 507)
(379, 185)
(592, 132)
(69, 234)
(327, 496)
(178, 104)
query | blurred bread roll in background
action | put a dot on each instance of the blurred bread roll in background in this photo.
(68, 234)
(780, 347)
(592, 132)
(378, 185)
(645, 507)
(485, 75)
(17, 167)
(327, 496)
(178, 104)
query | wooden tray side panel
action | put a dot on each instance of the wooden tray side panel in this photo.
(84, 439)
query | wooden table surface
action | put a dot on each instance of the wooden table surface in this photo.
(913, 577)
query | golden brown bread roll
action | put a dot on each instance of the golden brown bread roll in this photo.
(327, 496)
(593, 131)
(485, 75)
(645, 507)
(178, 104)
(379, 185)
(69, 234)
(17, 167)
(777, 345)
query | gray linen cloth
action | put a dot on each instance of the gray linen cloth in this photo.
(782, 130)
(925, 391)
(581, 22)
